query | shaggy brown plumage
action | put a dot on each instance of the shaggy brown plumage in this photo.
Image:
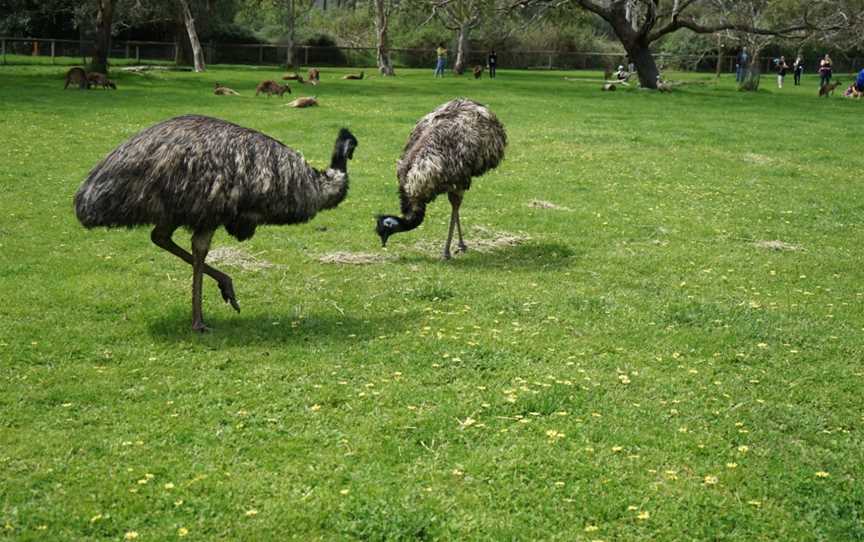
(271, 87)
(201, 173)
(78, 77)
(460, 140)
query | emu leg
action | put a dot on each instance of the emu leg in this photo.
(200, 246)
(446, 254)
(161, 237)
(456, 202)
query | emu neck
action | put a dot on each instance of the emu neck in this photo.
(339, 161)
(412, 214)
(334, 188)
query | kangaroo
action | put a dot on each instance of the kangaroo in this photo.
(77, 76)
(270, 88)
(314, 75)
(478, 72)
(96, 78)
(826, 90)
(220, 90)
(354, 76)
(293, 77)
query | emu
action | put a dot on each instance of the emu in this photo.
(460, 140)
(201, 173)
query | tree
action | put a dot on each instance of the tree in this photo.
(189, 21)
(640, 23)
(382, 18)
(104, 16)
(460, 16)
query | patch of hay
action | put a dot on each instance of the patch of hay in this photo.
(234, 257)
(777, 245)
(760, 159)
(540, 204)
(354, 258)
(479, 239)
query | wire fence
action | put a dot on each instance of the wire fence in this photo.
(72, 52)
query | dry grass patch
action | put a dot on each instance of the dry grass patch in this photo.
(540, 204)
(479, 239)
(760, 159)
(235, 257)
(777, 245)
(354, 258)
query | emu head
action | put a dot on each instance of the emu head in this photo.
(346, 143)
(386, 226)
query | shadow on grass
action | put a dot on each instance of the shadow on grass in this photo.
(238, 330)
(529, 256)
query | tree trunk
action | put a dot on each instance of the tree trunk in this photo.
(290, 62)
(197, 52)
(461, 50)
(385, 67)
(104, 15)
(646, 67)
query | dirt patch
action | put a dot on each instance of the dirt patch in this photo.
(355, 258)
(777, 245)
(234, 257)
(478, 239)
(540, 204)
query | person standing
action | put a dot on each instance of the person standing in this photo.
(825, 69)
(492, 63)
(798, 69)
(441, 51)
(782, 68)
(859, 84)
(741, 66)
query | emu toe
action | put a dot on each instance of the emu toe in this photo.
(200, 327)
(227, 289)
(462, 248)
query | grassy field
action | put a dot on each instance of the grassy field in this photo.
(673, 353)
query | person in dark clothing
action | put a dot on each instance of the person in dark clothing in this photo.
(782, 68)
(798, 69)
(825, 69)
(492, 63)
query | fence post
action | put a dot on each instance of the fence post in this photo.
(306, 55)
(127, 49)
(137, 54)
(3, 47)
(260, 54)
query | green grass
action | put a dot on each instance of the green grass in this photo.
(637, 348)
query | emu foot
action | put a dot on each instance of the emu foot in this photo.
(446, 255)
(200, 327)
(227, 288)
(462, 248)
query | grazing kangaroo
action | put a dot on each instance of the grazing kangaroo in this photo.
(478, 72)
(96, 78)
(826, 90)
(77, 76)
(270, 88)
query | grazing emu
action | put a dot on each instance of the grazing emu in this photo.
(221, 90)
(77, 76)
(201, 173)
(270, 88)
(304, 101)
(459, 140)
(96, 78)
(355, 76)
(314, 75)
(478, 72)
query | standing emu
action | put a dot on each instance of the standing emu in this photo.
(459, 140)
(201, 173)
